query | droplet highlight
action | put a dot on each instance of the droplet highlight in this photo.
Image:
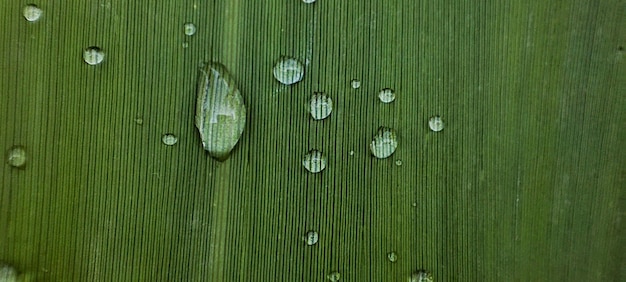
(16, 156)
(311, 238)
(436, 123)
(288, 70)
(32, 13)
(189, 29)
(220, 110)
(421, 276)
(93, 55)
(355, 83)
(308, 1)
(392, 256)
(384, 143)
(314, 161)
(169, 139)
(333, 276)
(320, 106)
(387, 95)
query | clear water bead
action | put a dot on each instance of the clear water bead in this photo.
(16, 156)
(392, 256)
(93, 55)
(169, 139)
(386, 95)
(190, 29)
(308, 1)
(314, 161)
(333, 276)
(311, 238)
(355, 83)
(288, 70)
(385, 143)
(32, 13)
(421, 276)
(435, 123)
(8, 273)
(320, 106)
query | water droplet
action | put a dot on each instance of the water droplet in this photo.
(355, 83)
(392, 256)
(421, 276)
(308, 1)
(314, 161)
(311, 238)
(398, 162)
(190, 29)
(385, 143)
(93, 55)
(333, 276)
(16, 156)
(139, 120)
(169, 139)
(32, 13)
(386, 95)
(351, 152)
(220, 111)
(435, 123)
(414, 204)
(8, 273)
(321, 106)
(288, 70)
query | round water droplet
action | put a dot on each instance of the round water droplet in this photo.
(185, 44)
(311, 238)
(398, 162)
(190, 29)
(8, 273)
(220, 111)
(436, 124)
(333, 276)
(16, 156)
(169, 139)
(308, 1)
(320, 106)
(355, 83)
(139, 121)
(421, 276)
(392, 256)
(93, 55)
(386, 95)
(288, 70)
(314, 161)
(32, 13)
(385, 143)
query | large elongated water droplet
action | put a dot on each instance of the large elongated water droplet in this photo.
(220, 110)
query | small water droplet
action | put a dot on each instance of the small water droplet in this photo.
(169, 139)
(139, 120)
(392, 256)
(398, 162)
(355, 83)
(386, 95)
(308, 1)
(93, 55)
(288, 70)
(311, 238)
(189, 28)
(414, 204)
(435, 123)
(16, 156)
(32, 13)
(314, 161)
(421, 276)
(185, 44)
(333, 276)
(8, 273)
(320, 106)
(351, 152)
(385, 143)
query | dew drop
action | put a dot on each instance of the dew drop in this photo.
(169, 139)
(333, 276)
(190, 29)
(32, 13)
(351, 153)
(435, 123)
(288, 70)
(93, 55)
(398, 162)
(314, 161)
(355, 83)
(386, 95)
(392, 256)
(308, 1)
(185, 45)
(385, 143)
(320, 106)
(8, 273)
(139, 121)
(16, 156)
(311, 238)
(421, 276)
